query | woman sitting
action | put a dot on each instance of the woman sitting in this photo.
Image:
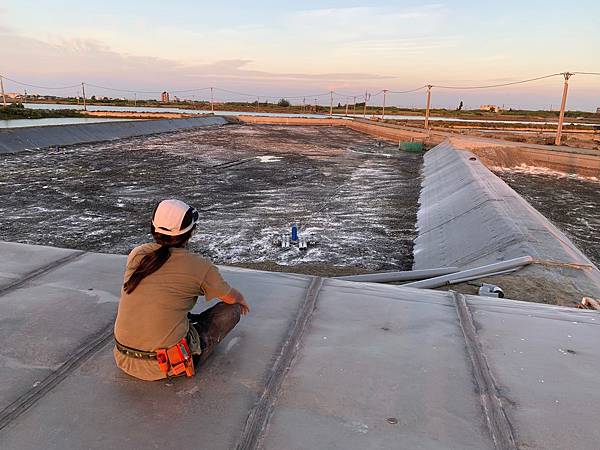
(155, 334)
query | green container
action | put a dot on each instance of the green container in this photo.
(413, 147)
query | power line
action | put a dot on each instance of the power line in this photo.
(190, 90)
(498, 85)
(271, 96)
(41, 87)
(586, 73)
(406, 92)
(122, 90)
(144, 92)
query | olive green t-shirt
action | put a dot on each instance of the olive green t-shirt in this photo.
(154, 315)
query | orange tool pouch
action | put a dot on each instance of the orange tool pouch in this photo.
(177, 358)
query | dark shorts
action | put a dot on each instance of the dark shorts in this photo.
(212, 326)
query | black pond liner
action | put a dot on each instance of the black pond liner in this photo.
(572, 203)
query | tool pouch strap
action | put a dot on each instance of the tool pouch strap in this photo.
(134, 352)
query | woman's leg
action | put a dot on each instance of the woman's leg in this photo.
(213, 325)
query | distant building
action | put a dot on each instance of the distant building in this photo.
(597, 110)
(175, 98)
(164, 97)
(492, 108)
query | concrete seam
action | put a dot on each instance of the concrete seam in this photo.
(497, 420)
(41, 271)
(31, 397)
(259, 416)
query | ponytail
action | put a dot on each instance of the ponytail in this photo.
(149, 264)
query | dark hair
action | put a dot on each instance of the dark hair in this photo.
(155, 260)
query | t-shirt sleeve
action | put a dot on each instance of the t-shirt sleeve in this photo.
(214, 286)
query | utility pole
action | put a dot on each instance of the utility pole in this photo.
(427, 107)
(212, 104)
(354, 110)
(2, 89)
(346, 106)
(365, 107)
(315, 105)
(303, 104)
(561, 118)
(383, 109)
(330, 104)
(83, 94)
(135, 99)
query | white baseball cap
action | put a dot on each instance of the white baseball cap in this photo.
(168, 217)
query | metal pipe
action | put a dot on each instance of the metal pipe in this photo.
(476, 272)
(493, 274)
(407, 275)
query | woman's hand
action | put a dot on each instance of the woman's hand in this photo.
(236, 297)
(244, 307)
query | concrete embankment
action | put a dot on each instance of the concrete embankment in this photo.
(29, 138)
(287, 374)
(496, 153)
(469, 217)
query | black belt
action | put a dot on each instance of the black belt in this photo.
(134, 352)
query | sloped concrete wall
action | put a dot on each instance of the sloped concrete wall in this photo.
(29, 138)
(469, 217)
(496, 153)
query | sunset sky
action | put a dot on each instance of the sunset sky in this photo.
(305, 47)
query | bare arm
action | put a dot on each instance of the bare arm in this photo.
(235, 297)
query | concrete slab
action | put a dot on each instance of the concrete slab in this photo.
(376, 352)
(545, 362)
(113, 410)
(369, 353)
(48, 318)
(17, 264)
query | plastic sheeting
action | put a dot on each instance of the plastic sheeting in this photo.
(376, 366)
(29, 138)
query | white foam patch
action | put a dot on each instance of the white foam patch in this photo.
(533, 170)
(268, 158)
